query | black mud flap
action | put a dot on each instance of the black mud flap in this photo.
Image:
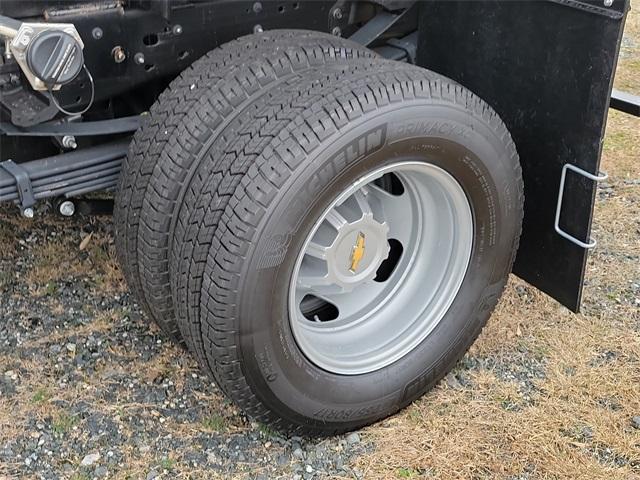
(547, 68)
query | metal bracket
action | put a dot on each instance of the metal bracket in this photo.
(23, 183)
(625, 102)
(375, 28)
(408, 44)
(596, 178)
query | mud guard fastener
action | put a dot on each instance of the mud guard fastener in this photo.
(596, 178)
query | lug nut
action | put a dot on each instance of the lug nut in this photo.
(257, 7)
(337, 14)
(336, 31)
(67, 208)
(177, 29)
(28, 213)
(97, 33)
(258, 29)
(69, 141)
(118, 54)
(139, 58)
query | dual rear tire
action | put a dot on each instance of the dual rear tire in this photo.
(328, 236)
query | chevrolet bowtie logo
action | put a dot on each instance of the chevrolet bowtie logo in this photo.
(357, 253)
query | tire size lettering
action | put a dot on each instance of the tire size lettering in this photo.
(339, 414)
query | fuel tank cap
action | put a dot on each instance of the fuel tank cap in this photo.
(55, 57)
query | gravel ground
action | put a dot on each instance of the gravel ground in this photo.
(88, 389)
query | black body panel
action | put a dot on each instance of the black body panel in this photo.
(547, 68)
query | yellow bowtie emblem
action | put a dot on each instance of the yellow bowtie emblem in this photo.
(357, 253)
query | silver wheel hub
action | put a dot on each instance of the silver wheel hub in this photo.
(380, 268)
(357, 252)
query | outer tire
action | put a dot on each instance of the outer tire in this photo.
(181, 125)
(294, 175)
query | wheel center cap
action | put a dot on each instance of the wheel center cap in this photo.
(357, 252)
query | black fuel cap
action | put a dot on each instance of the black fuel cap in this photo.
(55, 57)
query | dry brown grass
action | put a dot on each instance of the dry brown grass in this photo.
(63, 258)
(476, 433)
(60, 257)
(627, 76)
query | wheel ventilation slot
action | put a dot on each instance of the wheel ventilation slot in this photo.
(389, 265)
(316, 309)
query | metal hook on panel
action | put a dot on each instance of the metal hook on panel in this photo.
(596, 178)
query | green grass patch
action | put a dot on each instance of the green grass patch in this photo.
(63, 422)
(80, 476)
(167, 463)
(266, 431)
(215, 422)
(99, 255)
(415, 415)
(407, 473)
(51, 289)
(41, 396)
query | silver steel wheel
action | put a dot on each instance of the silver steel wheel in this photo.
(380, 268)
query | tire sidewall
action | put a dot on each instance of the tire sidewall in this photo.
(444, 135)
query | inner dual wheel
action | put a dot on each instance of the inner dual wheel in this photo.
(338, 241)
